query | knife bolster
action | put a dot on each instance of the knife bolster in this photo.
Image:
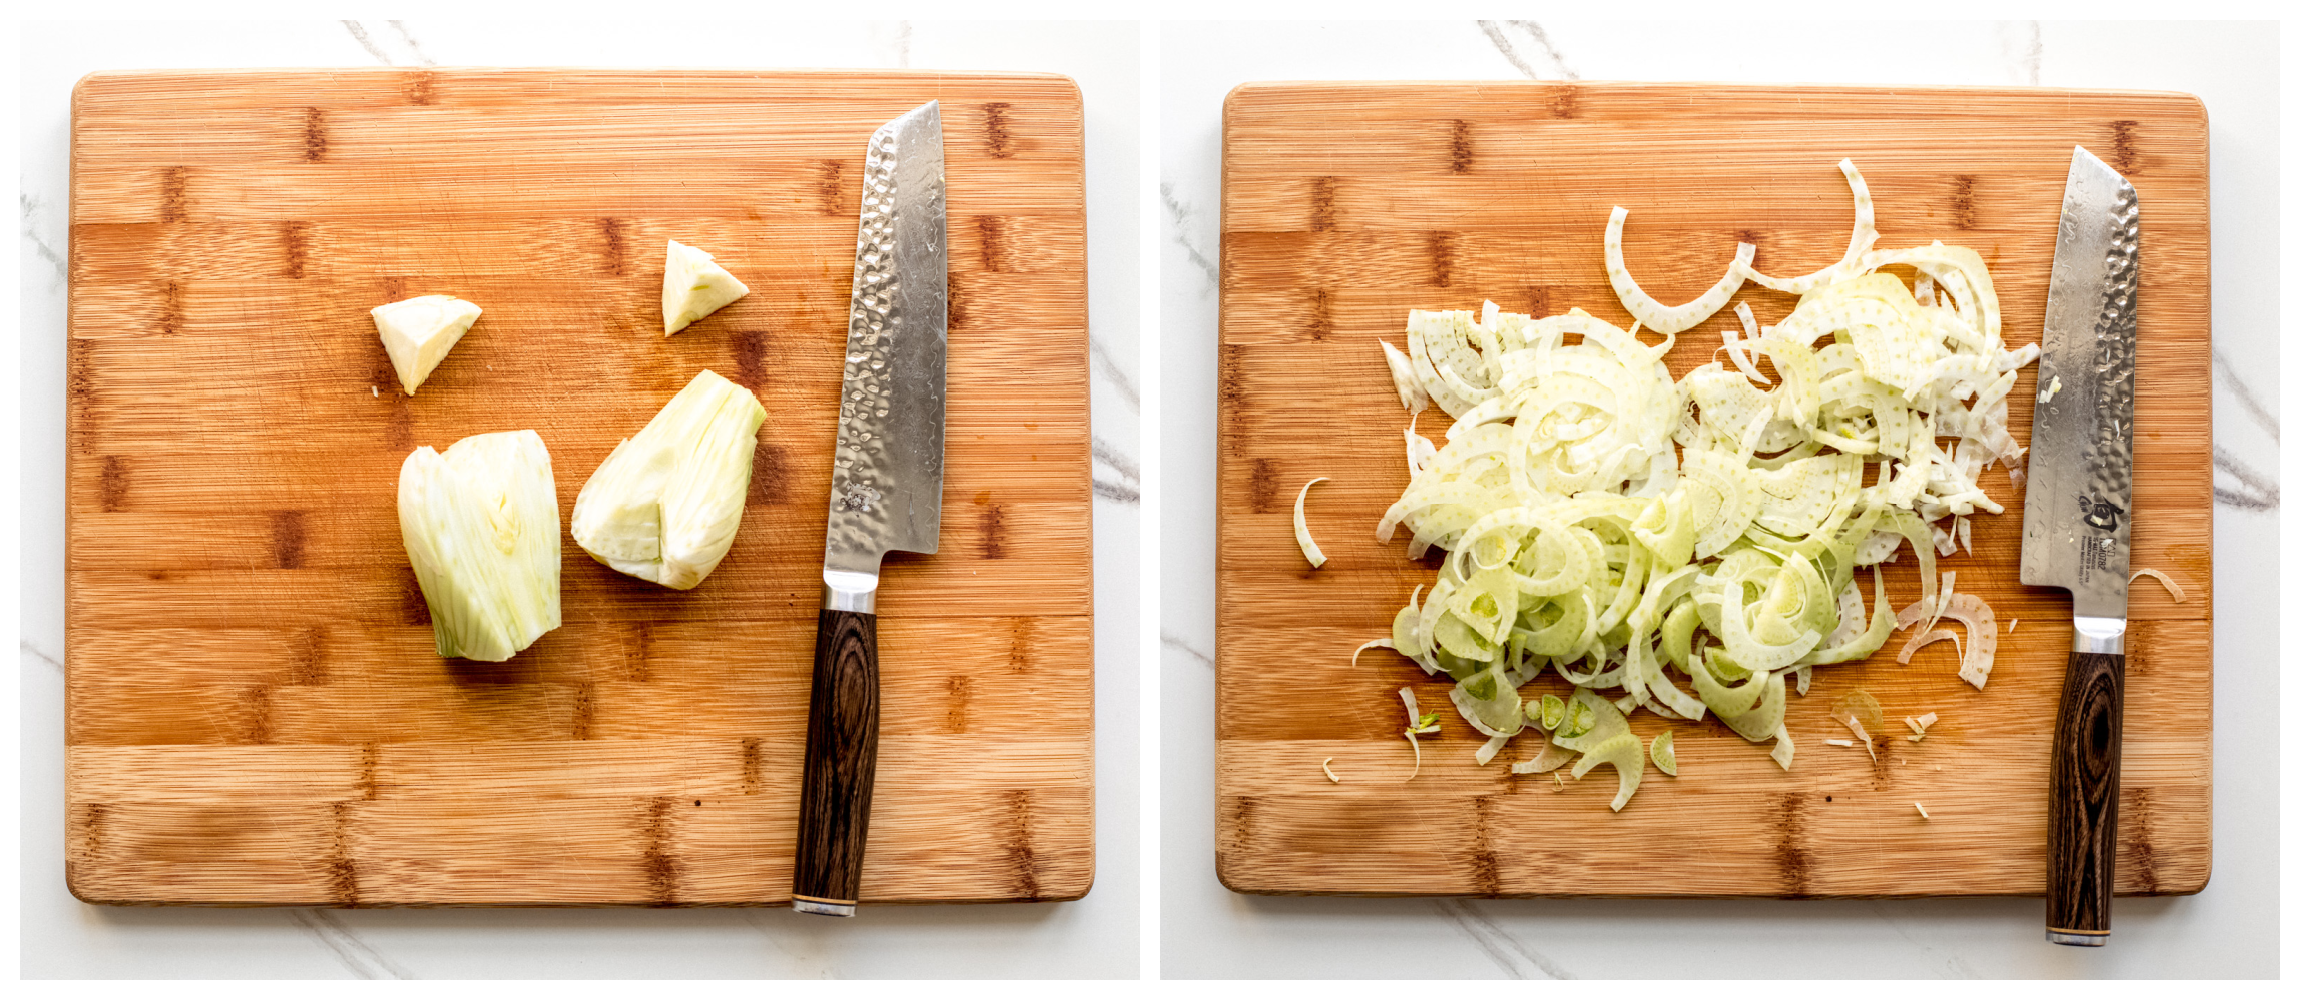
(2099, 635)
(845, 591)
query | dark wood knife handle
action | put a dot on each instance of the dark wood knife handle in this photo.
(842, 759)
(2080, 837)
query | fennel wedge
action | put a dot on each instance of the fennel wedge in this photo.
(481, 526)
(666, 503)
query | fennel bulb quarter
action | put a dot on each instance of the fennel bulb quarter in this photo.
(665, 504)
(481, 525)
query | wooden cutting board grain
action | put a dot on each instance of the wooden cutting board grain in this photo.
(256, 714)
(1346, 205)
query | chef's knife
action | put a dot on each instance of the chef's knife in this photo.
(2077, 528)
(886, 490)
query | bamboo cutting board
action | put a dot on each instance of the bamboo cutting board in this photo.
(256, 714)
(1346, 205)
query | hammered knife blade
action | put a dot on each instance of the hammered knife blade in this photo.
(886, 489)
(2076, 528)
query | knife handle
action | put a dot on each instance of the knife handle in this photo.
(2080, 837)
(842, 759)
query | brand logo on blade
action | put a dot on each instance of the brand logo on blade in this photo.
(2099, 513)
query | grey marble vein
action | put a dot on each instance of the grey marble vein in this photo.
(1116, 460)
(1500, 41)
(356, 955)
(1175, 642)
(1179, 211)
(1128, 487)
(2243, 501)
(1498, 944)
(1114, 372)
(29, 209)
(412, 46)
(1116, 492)
(26, 645)
(2258, 492)
(1495, 33)
(2251, 403)
(359, 32)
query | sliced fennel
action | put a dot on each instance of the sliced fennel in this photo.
(1417, 723)
(481, 526)
(1690, 545)
(1310, 549)
(1980, 653)
(1410, 391)
(665, 504)
(2171, 586)
(1661, 318)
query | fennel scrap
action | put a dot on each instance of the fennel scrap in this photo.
(1310, 549)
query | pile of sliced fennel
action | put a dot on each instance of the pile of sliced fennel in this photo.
(1688, 546)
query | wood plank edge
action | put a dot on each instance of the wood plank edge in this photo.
(1257, 88)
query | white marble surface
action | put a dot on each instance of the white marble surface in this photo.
(2228, 930)
(1095, 937)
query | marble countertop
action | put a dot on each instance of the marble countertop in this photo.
(1094, 937)
(2230, 929)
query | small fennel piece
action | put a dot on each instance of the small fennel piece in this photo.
(1657, 317)
(1410, 391)
(1664, 750)
(1854, 710)
(417, 333)
(1310, 549)
(1417, 723)
(1919, 723)
(1979, 654)
(1733, 350)
(665, 504)
(481, 526)
(2171, 586)
(1923, 639)
(694, 286)
(1864, 238)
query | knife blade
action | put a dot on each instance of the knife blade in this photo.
(886, 489)
(2076, 528)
